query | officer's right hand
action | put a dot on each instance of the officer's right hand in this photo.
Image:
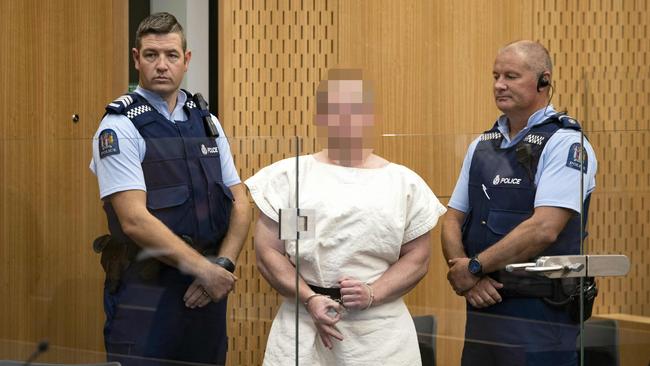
(484, 293)
(214, 280)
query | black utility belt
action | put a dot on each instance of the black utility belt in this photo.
(562, 293)
(527, 285)
(333, 292)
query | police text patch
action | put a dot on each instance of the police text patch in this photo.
(108, 144)
(573, 160)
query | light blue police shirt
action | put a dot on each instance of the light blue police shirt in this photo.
(557, 180)
(123, 171)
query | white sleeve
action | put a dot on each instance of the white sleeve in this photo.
(228, 169)
(118, 151)
(270, 188)
(423, 207)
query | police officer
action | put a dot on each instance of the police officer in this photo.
(517, 197)
(176, 208)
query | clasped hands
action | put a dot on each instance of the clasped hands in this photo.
(212, 283)
(480, 292)
(326, 312)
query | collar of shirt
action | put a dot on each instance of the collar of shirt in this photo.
(160, 105)
(536, 118)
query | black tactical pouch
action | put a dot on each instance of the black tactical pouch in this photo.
(567, 294)
(114, 260)
(589, 291)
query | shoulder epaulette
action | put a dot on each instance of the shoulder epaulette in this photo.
(569, 122)
(563, 120)
(120, 103)
(131, 105)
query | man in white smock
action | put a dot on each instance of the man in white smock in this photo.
(372, 245)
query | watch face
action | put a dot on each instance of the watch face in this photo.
(474, 266)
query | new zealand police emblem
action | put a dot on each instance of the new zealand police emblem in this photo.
(576, 157)
(108, 143)
(207, 150)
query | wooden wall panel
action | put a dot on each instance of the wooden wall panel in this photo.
(273, 54)
(62, 57)
(601, 52)
(431, 63)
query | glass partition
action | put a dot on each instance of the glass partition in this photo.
(53, 281)
(613, 117)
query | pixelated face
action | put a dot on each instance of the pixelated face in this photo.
(161, 63)
(515, 84)
(343, 116)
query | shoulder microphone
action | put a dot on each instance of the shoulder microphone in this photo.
(208, 123)
(524, 157)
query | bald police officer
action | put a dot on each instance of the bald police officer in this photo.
(518, 197)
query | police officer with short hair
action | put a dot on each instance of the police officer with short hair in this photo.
(177, 211)
(517, 198)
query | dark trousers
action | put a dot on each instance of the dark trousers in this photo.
(148, 324)
(520, 332)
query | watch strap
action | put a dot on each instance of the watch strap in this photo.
(224, 262)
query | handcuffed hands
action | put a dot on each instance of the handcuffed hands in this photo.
(325, 313)
(355, 294)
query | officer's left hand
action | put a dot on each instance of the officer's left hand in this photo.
(196, 296)
(215, 281)
(485, 293)
(459, 277)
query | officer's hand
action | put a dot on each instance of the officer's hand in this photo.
(459, 277)
(215, 280)
(355, 294)
(325, 313)
(196, 296)
(485, 293)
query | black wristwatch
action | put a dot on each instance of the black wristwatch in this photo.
(224, 262)
(475, 267)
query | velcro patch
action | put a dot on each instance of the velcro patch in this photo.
(108, 143)
(575, 156)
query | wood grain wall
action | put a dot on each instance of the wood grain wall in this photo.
(431, 64)
(273, 54)
(59, 58)
(601, 52)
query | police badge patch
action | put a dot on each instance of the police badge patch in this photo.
(108, 144)
(574, 158)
